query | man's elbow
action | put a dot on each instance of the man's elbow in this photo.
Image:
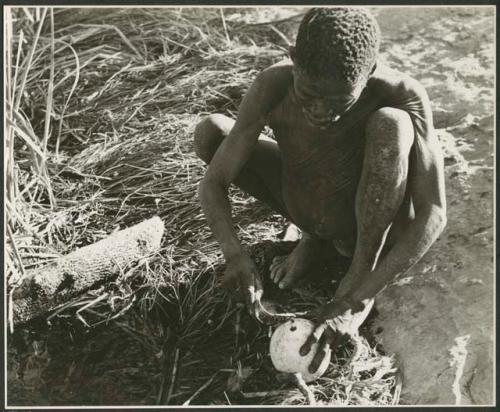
(208, 185)
(438, 215)
(434, 218)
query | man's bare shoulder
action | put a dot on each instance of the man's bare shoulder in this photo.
(272, 84)
(395, 85)
(278, 75)
(401, 91)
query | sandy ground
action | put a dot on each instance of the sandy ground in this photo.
(447, 299)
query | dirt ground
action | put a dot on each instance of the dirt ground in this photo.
(448, 298)
(451, 51)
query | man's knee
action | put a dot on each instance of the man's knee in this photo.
(208, 135)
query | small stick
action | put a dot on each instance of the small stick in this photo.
(268, 317)
(68, 304)
(237, 328)
(23, 275)
(224, 26)
(279, 33)
(77, 172)
(173, 378)
(302, 385)
(261, 394)
(11, 311)
(162, 387)
(397, 390)
(16, 252)
(263, 23)
(88, 305)
(200, 389)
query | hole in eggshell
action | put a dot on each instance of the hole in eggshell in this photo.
(293, 328)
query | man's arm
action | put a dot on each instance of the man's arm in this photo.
(420, 234)
(425, 184)
(225, 166)
(227, 163)
(233, 153)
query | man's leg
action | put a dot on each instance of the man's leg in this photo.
(261, 178)
(381, 191)
(286, 270)
(261, 175)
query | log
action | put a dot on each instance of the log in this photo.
(45, 288)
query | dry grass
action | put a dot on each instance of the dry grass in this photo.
(101, 105)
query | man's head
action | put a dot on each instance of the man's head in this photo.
(335, 53)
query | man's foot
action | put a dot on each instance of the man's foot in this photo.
(285, 270)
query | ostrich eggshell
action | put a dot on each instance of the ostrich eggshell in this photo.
(285, 345)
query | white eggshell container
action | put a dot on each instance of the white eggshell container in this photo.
(286, 342)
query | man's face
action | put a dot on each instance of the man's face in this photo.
(325, 100)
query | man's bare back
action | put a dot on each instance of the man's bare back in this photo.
(354, 163)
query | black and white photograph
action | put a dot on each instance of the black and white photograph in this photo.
(231, 206)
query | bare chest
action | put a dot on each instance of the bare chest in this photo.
(320, 157)
(321, 168)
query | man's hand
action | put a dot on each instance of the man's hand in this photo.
(242, 277)
(335, 321)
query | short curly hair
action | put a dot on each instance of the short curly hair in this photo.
(339, 42)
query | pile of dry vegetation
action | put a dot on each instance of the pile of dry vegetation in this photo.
(101, 104)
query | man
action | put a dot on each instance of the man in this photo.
(355, 165)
